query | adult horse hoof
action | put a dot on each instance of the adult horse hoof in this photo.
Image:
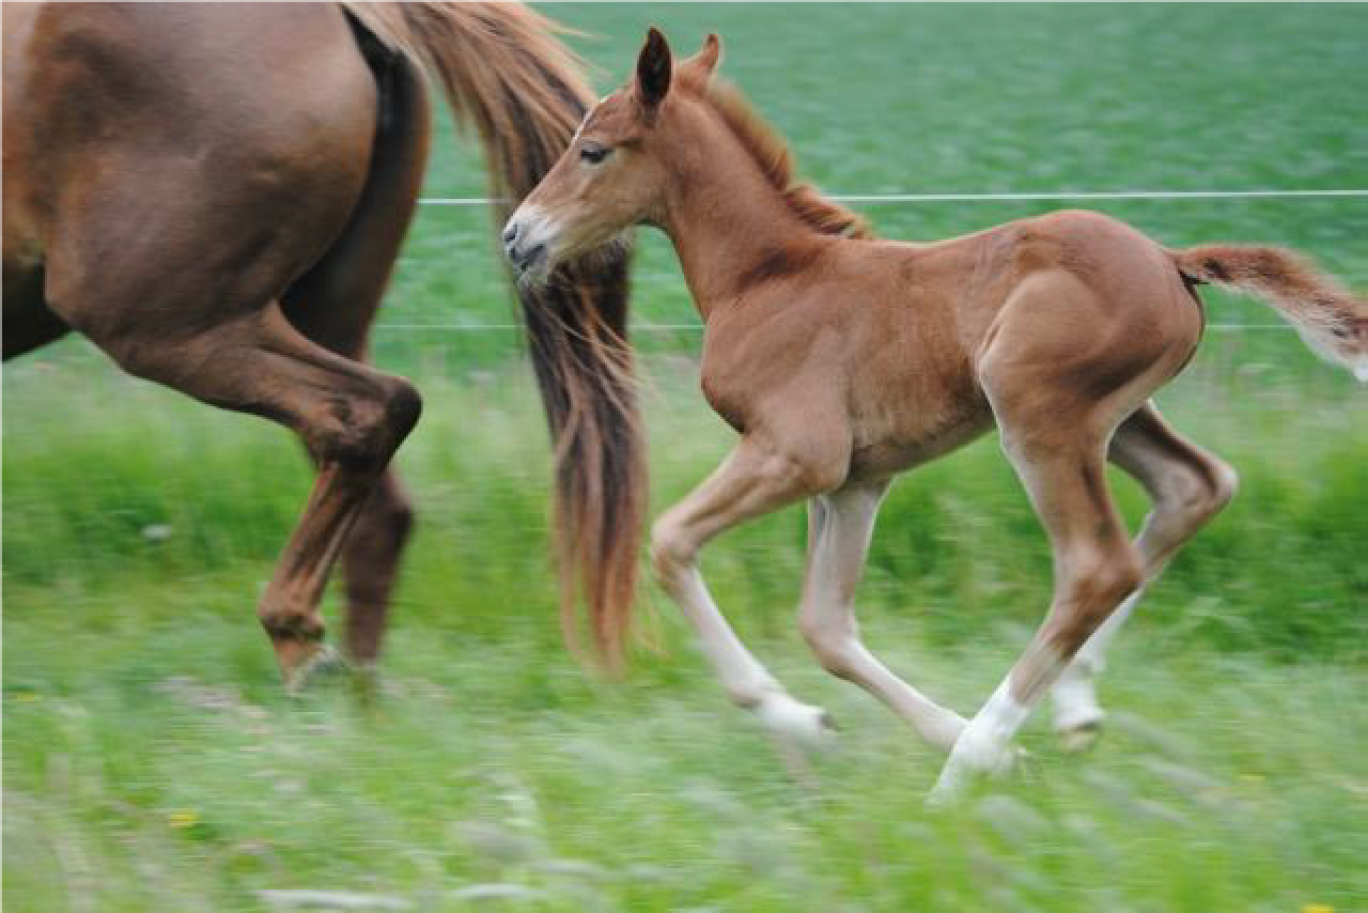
(798, 723)
(324, 664)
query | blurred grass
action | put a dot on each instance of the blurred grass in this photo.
(151, 764)
(128, 482)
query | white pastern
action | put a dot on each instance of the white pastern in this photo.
(1075, 700)
(984, 746)
(1074, 694)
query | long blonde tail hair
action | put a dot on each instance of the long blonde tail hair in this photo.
(503, 70)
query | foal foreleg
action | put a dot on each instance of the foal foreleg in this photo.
(839, 533)
(752, 481)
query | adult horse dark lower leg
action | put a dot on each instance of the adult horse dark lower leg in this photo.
(335, 303)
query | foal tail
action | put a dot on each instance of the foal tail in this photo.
(503, 70)
(1331, 319)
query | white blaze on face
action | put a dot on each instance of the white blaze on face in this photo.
(588, 114)
(580, 128)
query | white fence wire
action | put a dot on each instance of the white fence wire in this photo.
(875, 199)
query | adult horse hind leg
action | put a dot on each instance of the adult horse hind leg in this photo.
(350, 417)
(1188, 487)
(212, 158)
(196, 312)
(334, 305)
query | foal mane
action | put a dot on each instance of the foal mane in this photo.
(770, 151)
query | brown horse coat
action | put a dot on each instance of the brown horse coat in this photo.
(842, 360)
(215, 195)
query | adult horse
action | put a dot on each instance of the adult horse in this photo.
(215, 195)
(842, 360)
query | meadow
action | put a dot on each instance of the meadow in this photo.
(152, 762)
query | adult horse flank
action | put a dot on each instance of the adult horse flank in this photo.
(215, 195)
(842, 360)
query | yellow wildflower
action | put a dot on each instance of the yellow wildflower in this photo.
(183, 818)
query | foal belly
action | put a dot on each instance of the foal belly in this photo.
(880, 452)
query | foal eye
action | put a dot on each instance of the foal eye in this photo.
(594, 154)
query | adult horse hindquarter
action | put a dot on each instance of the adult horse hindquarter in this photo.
(215, 195)
(842, 360)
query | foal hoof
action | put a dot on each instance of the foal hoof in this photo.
(971, 760)
(802, 724)
(1080, 737)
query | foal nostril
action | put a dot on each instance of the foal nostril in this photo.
(510, 233)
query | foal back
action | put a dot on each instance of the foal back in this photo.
(884, 344)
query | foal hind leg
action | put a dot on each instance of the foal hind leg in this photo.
(1096, 567)
(838, 541)
(754, 480)
(1188, 487)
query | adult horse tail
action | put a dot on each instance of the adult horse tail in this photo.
(1331, 319)
(503, 70)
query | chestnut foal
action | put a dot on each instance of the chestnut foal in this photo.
(843, 360)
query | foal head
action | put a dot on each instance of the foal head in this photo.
(614, 173)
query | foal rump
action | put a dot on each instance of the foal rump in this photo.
(1331, 319)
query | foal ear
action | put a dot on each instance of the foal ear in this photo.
(705, 61)
(653, 70)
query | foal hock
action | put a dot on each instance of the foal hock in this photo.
(842, 360)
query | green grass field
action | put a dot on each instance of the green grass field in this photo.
(151, 762)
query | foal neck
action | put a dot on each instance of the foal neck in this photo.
(732, 229)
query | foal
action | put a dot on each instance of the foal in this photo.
(843, 360)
